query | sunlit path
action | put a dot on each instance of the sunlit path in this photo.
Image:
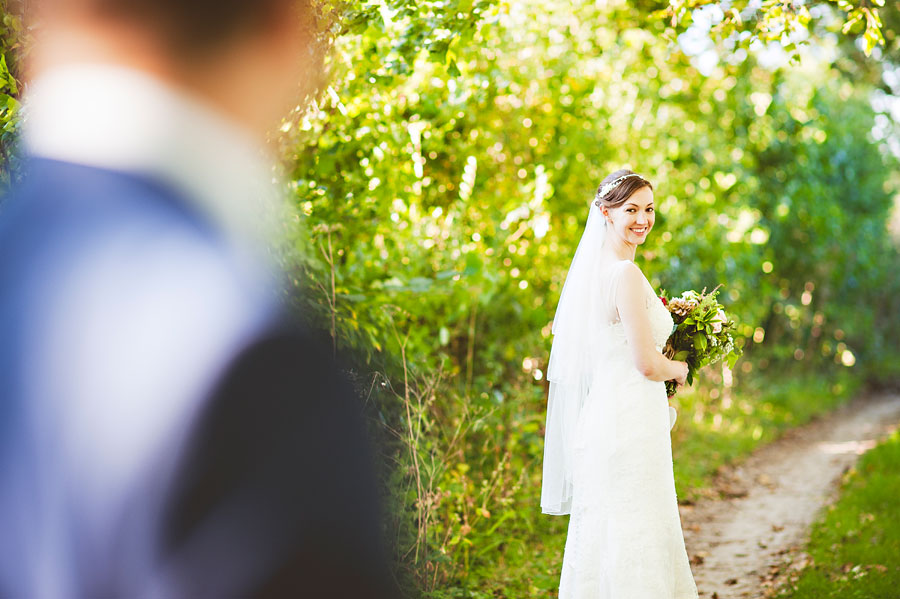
(737, 544)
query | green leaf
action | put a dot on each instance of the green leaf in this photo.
(474, 264)
(700, 342)
(732, 359)
(420, 284)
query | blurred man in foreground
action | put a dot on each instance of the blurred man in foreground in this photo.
(165, 432)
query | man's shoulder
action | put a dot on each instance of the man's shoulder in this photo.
(61, 194)
(89, 249)
(64, 218)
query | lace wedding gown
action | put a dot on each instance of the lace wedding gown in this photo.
(625, 539)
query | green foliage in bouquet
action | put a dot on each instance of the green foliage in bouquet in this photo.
(702, 335)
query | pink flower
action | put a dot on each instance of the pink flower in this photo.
(718, 321)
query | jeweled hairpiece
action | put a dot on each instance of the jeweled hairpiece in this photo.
(605, 189)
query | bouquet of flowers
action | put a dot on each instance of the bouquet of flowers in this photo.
(702, 333)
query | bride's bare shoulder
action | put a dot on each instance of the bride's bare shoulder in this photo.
(630, 285)
(629, 272)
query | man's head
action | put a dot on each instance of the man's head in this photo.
(194, 28)
(252, 59)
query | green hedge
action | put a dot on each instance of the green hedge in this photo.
(444, 186)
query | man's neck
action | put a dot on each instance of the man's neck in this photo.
(131, 48)
(126, 120)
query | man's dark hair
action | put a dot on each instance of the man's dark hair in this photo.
(193, 27)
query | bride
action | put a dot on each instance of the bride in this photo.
(607, 452)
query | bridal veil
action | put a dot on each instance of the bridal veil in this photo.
(571, 368)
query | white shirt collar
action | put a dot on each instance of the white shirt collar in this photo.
(125, 120)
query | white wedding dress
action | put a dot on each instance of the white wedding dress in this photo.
(625, 539)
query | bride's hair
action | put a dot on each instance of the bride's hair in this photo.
(629, 184)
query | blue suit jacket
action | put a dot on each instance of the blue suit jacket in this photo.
(166, 431)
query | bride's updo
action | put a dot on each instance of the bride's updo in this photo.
(624, 183)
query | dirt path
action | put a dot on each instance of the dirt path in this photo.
(737, 544)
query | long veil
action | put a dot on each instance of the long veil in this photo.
(570, 369)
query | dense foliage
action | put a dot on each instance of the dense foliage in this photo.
(12, 37)
(442, 181)
(445, 178)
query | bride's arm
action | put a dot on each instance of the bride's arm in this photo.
(631, 298)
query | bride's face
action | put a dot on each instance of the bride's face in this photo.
(632, 219)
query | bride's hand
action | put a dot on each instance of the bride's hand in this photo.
(682, 378)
